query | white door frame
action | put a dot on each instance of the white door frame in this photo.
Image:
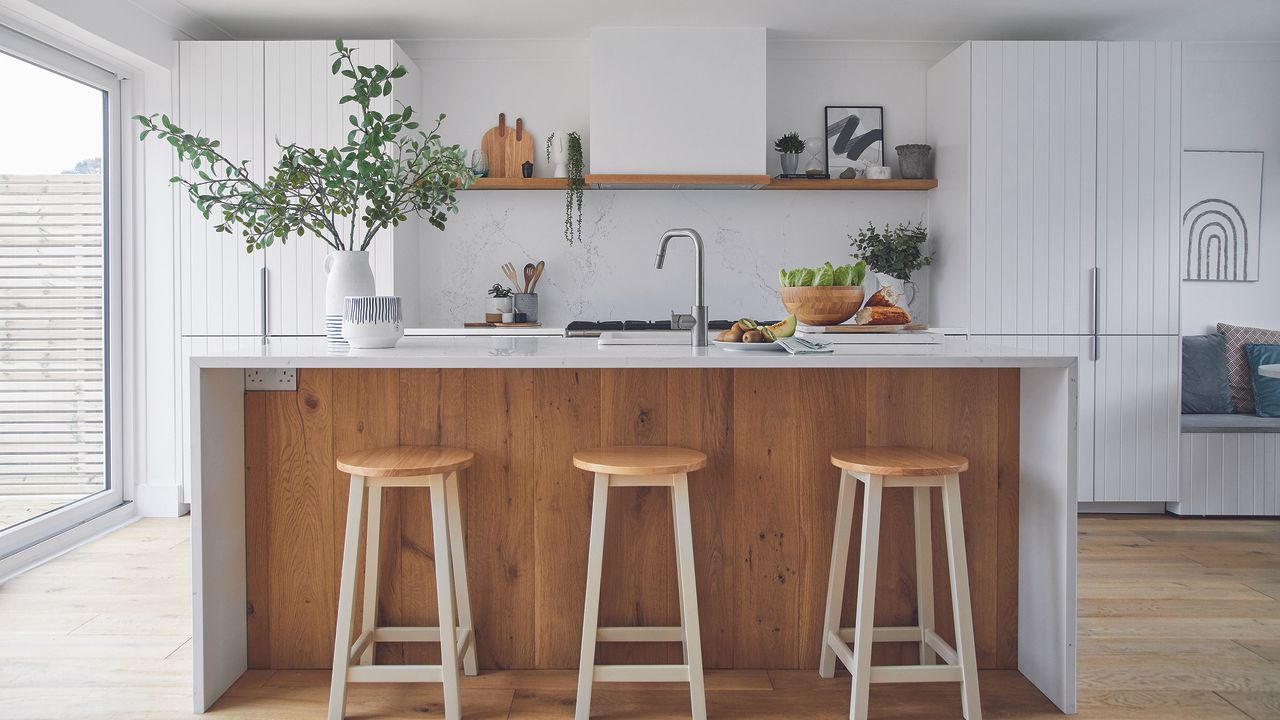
(43, 527)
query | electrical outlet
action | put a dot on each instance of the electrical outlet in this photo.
(260, 379)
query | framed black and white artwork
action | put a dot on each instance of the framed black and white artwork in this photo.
(855, 139)
(1221, 215)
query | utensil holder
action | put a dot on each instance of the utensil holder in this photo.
(527, 303)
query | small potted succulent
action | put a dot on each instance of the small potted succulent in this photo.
(789, 147)
(500, 301)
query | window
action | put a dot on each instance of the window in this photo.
(59, 142)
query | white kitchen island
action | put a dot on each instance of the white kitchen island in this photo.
(1043, 425)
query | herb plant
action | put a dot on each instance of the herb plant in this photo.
(895, 251)
(499, 291)
(387, 169)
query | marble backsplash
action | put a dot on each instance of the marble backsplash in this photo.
(610, 273)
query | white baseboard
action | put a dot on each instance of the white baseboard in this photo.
(1121, 508)
(160, 501)
(62, 543)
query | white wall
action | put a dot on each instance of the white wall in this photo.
(749, 234)
(1231, 101)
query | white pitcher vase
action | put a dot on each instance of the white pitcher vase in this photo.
(348, 275)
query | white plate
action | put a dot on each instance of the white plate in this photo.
(745, 347)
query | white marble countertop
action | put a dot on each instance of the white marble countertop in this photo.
(556, 352)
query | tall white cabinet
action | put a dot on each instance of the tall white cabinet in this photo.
(1056, 222)
(254, 97)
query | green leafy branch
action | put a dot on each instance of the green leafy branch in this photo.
(388, 169)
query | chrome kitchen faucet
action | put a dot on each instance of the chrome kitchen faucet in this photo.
(697, 322)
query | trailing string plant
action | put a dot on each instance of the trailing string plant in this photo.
(896, 251)
(388, 169)
(573, 196)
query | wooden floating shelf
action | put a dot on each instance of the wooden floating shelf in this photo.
(701, 182)
(849, 184)
(677, 182)
(488, 183)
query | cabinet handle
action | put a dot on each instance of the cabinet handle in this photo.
(264, 304)
(1095, 285)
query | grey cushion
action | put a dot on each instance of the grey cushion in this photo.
(1231, 423)
(1204, 375)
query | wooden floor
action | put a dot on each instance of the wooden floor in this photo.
(20, 508)
(1178, 619)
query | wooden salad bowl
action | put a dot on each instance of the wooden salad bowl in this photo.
(823, 304)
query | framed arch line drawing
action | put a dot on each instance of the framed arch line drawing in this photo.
(1221, 215)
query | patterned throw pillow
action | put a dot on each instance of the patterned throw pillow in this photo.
(1238, 373)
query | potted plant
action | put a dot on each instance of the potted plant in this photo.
(789, 147)
(388, 169)
(500, 300)
(894, 254)
(573, 195)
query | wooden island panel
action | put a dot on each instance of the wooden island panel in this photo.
(763, 509)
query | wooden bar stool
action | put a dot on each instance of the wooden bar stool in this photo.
(878, 468)
(642, 466)
(434, 468)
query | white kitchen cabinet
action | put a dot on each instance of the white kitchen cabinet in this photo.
(301, 106)
(1138, 190)
(1136, 417)
(218, 87)
(1016, 194)
(255, 96)
(1056, 158)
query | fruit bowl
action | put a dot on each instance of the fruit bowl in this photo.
(823, 304)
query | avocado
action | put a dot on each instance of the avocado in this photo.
(786, 328)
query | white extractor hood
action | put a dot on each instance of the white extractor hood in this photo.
(678, 102)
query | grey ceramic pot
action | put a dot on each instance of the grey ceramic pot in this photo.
(789, 162)
(913, 160)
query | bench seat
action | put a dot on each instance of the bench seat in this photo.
(1229, 423)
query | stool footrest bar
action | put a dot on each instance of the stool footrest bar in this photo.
(639, 634)
(915, 673)
(394, 674)
(640, 673)
(887, 634)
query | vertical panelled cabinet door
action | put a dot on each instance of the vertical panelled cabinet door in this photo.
(301, 106)
(1139, 149)
(1031, 208)
(218, 93)
(1136, 418)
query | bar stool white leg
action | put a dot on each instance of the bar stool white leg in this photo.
(839, 567)
(963, 613)
(924, 571)
(444, 598)
(689, 596)
(684, 647)
(346, 601)
(591, 608)
(372, 544)
(864, 627)
(458, 551)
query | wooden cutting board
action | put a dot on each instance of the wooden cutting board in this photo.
(507, 148)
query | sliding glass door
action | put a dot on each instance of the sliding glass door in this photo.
(58, 152)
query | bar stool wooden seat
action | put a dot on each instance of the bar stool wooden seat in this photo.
(434, 468)
(878, 468)
(642, 466)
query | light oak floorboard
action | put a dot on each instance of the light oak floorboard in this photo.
(1159, 640)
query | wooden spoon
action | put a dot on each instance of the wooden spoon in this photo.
(528, 276)
(537, 275)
